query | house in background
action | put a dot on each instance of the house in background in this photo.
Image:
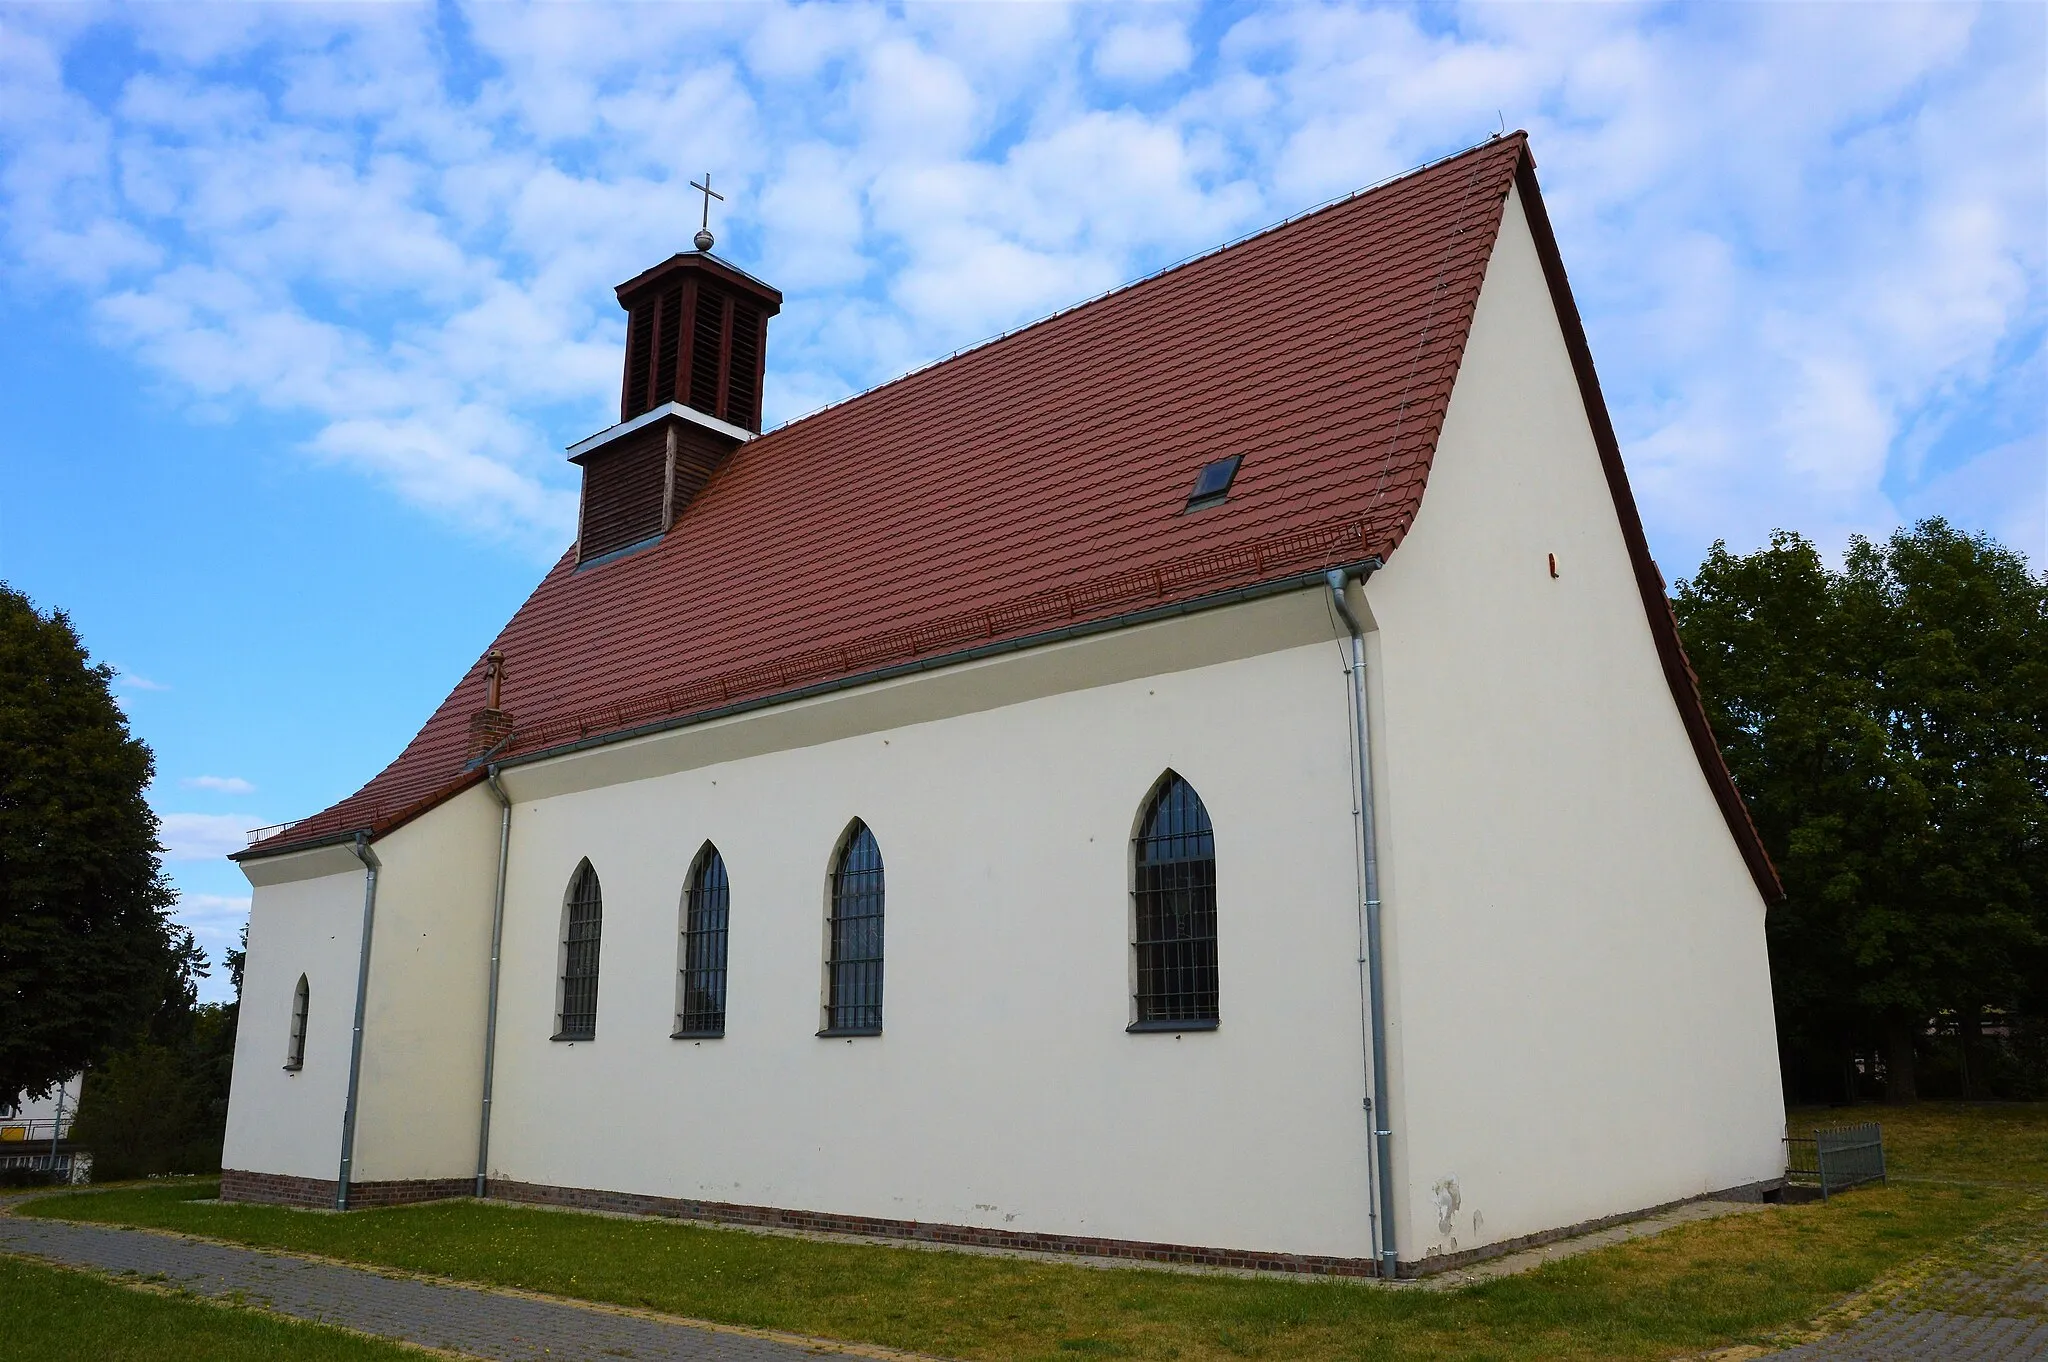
(25, 1118)
(35, 1134)
(1210, 776)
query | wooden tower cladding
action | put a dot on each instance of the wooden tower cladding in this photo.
(696, 333)
(696, 339)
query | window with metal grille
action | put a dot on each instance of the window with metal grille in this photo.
(854, 1004)
(295, 1045)
(1174, 936)
(700, 1009)
(582, 920)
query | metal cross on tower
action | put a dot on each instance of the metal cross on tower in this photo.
(704, 237)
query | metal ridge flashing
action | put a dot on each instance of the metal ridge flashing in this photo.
(648, 418)
(1300, 581)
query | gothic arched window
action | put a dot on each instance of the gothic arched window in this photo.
(1173, 938)
(582, 923)
(295, 1044)
(700, 999)
(853, 1005)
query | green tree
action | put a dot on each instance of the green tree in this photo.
(87, 953)
(161, 1104)
(1888, 722)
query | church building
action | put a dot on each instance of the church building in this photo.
(1210, 776)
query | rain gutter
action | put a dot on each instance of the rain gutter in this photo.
(1279, 586)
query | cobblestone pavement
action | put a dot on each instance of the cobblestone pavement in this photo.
(481, 1323)
(2000, 1315)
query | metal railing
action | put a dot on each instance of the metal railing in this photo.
(1837, 1159)
(16, 1129)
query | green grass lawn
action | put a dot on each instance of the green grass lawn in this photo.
(2003, 1142)
(51, 1315)
(1699, 1286)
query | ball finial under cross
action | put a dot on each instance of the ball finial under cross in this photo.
(703, 239)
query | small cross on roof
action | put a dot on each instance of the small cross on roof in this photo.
(704, 238)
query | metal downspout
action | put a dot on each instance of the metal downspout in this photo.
(361, 848)
(483, 1135)
(1371, 983)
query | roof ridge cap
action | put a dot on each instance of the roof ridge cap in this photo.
(1174, 266)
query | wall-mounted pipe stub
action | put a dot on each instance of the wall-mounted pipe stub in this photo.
(1372, 975)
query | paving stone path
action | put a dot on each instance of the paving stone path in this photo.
(479, 1322)
(1997, 1315)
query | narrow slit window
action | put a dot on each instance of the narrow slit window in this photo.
(854, 969)
(1174, 923)
(582, 925)
(700, 1008)
(295, 1043)
(1212, 484)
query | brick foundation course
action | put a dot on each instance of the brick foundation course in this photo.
(285, 1189)
(281, 1189)
(926, 1232)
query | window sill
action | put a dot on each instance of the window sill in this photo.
(848, 1032)
(697, 1035)
(571, 1040)
(1192, 1024)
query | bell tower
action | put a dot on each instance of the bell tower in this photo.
(696, 349)
(696, 333)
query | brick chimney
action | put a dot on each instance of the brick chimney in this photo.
(491, 725)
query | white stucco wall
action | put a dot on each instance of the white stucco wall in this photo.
(423, 1026)
(1004, 1090)
(1578, 968)
(281, 1121)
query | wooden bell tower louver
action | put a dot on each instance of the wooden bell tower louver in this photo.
(696, 333)
(696, 343)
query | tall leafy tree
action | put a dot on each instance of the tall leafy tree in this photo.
(1889, 723)
(88, 955)
(161, 1104)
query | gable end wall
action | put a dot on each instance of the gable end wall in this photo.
(1578, 983)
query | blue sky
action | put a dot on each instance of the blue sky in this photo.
(301, 304)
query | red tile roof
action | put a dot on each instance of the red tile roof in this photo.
(1034, 483)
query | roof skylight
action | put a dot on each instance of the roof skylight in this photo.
(1212, 484)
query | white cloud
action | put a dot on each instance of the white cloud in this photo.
(1807, 240)
(205, 836)
(1143, 52)
(212, 910)
(127, 680)
(219, 784)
